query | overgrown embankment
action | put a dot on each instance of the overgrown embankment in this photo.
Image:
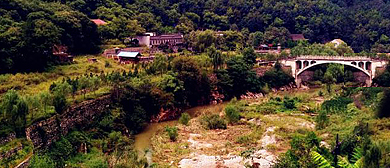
(44, 133)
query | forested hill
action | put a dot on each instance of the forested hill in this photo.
(29, 27)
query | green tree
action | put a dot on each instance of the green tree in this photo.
(249, 56)
(84, 84)
(14, 109)
(160, 64)
(216, 57)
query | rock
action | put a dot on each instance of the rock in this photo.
(255, 121)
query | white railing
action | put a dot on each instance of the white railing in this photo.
(311, 57)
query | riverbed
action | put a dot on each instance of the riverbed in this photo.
(143, 139)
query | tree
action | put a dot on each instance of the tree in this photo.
(95, 83)
(14, 111)
(216, 57)
(59, 102)
(160, 64)
(249, 56)
(256, 39)
(241, 78)
(84, 84)
(196, 84)
(201, 40)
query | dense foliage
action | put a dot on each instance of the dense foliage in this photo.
(29, 30)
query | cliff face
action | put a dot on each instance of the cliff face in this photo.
(44, 133)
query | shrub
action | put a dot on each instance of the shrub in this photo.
(213, 122)
(289, 103)
(61, 150)
(184, 118)
(38, 161)
(107, 64)
(97, 162)
(59, 103)
(322, 120)
(320, 93)
(243, 139)
(336, 105)
(384, 106)
(232, 114)
(172, 132)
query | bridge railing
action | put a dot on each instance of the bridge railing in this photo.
(316, 57)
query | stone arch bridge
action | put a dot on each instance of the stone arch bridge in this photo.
(366, 67)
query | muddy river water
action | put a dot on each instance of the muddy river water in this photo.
(143, 139)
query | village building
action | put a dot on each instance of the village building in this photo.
(61, 53)
(150, 40)
(297, 37)
(99, 22)
(126, 57)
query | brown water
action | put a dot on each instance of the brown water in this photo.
(143, 139)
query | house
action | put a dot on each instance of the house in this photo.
(169, 39)
(98, 22)
(297, 37)
(60, 52)
(126, 57)
(150, 40)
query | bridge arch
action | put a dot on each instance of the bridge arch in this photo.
(330, 62)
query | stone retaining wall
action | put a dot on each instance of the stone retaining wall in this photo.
(8, 138)
(44, 133)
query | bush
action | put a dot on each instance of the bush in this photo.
(107, 64)
(232, 114)
(322, 120)
(243, 139)
(39, 161)
(97, 162)
(60, 103)
(336, 105)
(213, 122)
(384, 106)
(61, 150)
(289, 103)
(184, 118)
(172, 132)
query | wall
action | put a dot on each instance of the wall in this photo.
(44, 133)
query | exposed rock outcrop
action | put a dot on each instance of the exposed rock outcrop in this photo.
(44, 133)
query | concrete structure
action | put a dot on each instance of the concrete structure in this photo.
(299, 65)
(152, 41)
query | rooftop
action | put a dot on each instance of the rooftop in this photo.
(98, 22)
(129, 54)
(296, 37)
(166, 36)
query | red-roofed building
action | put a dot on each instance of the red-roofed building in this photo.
(98, 22)
(296, 37)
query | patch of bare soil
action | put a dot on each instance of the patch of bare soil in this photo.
(199, 148)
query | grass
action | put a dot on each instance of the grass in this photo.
(35, 82)
(19, 156)
(32, 84)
